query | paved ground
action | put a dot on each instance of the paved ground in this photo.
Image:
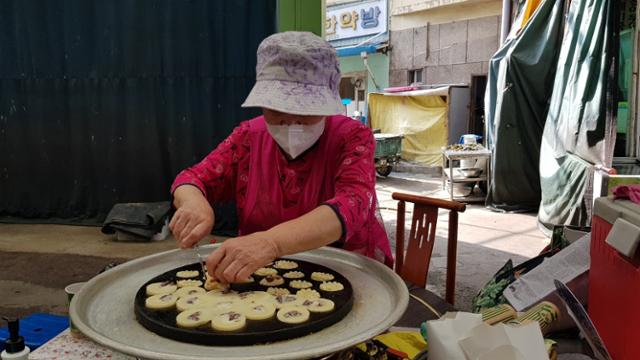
(37, 261)
(486, 239)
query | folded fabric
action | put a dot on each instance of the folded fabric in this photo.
(139, 219)
(631, 192)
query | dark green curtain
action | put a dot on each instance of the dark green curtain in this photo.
(104, 102)
(579, 132)
(521, 76)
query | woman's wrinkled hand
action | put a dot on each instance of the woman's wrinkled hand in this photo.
(236, 259)
(193, 219)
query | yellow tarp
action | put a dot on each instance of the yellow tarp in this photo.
(421, 119)
(529, 9)
(523, 18)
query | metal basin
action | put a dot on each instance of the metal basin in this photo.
(470, 172)
(104, 310)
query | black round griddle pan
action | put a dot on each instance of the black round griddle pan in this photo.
(163, 323)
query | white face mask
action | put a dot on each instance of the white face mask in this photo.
(296, 139)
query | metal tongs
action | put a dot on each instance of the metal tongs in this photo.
(202, 262)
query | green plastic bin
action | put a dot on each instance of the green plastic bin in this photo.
(388, 145)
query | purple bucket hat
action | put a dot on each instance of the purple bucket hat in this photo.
(297, 73)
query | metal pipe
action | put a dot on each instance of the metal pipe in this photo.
(364, 57)
(506, 20)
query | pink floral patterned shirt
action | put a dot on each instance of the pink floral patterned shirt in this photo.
(268, 189)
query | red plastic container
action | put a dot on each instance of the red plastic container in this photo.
(614, 282)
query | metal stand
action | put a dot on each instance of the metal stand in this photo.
(451, 175)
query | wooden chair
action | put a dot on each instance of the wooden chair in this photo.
(413, 265)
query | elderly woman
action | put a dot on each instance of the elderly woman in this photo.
(302, 176)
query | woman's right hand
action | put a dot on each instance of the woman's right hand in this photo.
(194, 217)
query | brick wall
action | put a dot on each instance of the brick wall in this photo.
(448, 53)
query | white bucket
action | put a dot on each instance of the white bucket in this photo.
(469, 139)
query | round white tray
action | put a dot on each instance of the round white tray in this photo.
(103, 310)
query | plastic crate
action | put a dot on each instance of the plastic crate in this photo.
(37, 329)
(614, 282)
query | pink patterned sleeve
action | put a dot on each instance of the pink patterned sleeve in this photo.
(216, 174)
(355, 181)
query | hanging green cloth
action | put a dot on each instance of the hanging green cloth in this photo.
(520, 80)
(577, 135)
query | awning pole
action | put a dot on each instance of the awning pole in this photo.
(364, 57)
(506, 20)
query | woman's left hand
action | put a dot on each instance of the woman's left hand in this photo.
(236, 259)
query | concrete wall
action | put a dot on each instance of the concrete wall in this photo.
(448, 53)
(400, 7)
(461, 10)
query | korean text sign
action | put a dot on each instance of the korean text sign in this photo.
(364, 18)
